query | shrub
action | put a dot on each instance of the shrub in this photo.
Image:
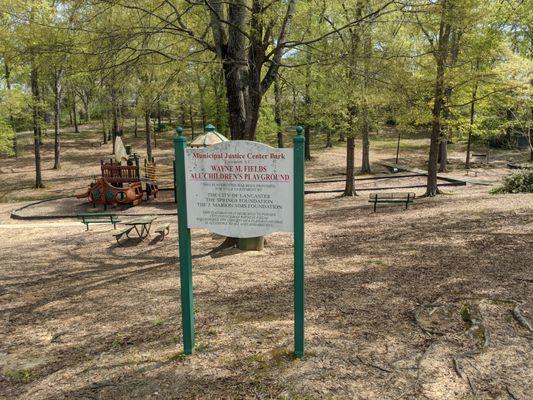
(517, 182)
(162, 127)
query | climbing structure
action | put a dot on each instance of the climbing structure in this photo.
(102, 192)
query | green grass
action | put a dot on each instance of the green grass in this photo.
(19, 375)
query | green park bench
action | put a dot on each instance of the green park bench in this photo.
(99, 218)
(404, 198)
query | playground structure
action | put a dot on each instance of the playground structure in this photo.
(109, 189)
(102, 192)
(156, 175)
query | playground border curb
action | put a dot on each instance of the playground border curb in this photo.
(15, 213)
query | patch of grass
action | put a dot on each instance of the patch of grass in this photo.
(19, 375)
(132, 360)
(465, 314)
(174, 339)
(119, 340)
(293, 396)
(159, 322)
(201, 346)
(178, 356)
(271, 361)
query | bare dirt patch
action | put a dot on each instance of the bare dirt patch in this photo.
(400, 305)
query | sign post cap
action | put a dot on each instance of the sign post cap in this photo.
(179, 130)
(299, 130)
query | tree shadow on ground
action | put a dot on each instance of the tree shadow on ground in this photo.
(363, 340)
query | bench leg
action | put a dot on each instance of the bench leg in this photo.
(87, 226)
(375, 205)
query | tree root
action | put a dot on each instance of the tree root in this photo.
(517, 314)
(229, 242)
(458, 367)
(369, 364)
(416, 315)
(431, 194)
(511, 394)
(416, 383)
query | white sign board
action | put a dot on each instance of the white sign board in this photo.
(240, 189)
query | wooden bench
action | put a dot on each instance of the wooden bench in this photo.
(122, 232)
(99, 218)
(480, 157)
(163, 230)
(404, 198)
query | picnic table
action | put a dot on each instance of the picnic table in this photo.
(141, 225)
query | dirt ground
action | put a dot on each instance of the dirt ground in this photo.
(434, 302)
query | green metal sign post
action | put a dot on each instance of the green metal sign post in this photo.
(299, 153)
(180, 143)
(187, 306)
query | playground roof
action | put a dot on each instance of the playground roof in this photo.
(208, 138)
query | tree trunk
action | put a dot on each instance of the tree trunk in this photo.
(240, 46)
(218, 91)
(155, 135)
(441, 56)
(87, 111)
(191, 121)
(367, 50)
(11, 119)
(349, 189)
(530, 135)
(104, 130)
(294, 108)
(472, 117)
(36, 126)
(328, 138)
(202, 106)
(57, 118)
(277, 111)
(509, 130)
(307, 135)
(455, 37)
(120, 113)
(530, 139)
(365, 161)
(158, 112)
(74, 114)
(307, 104)
(355, 39)
(443, 153)
(114, 113)
(148, 135)
(183, 116)
(135, 126)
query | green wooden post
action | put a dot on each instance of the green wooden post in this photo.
(299, 153)
(187, 307)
